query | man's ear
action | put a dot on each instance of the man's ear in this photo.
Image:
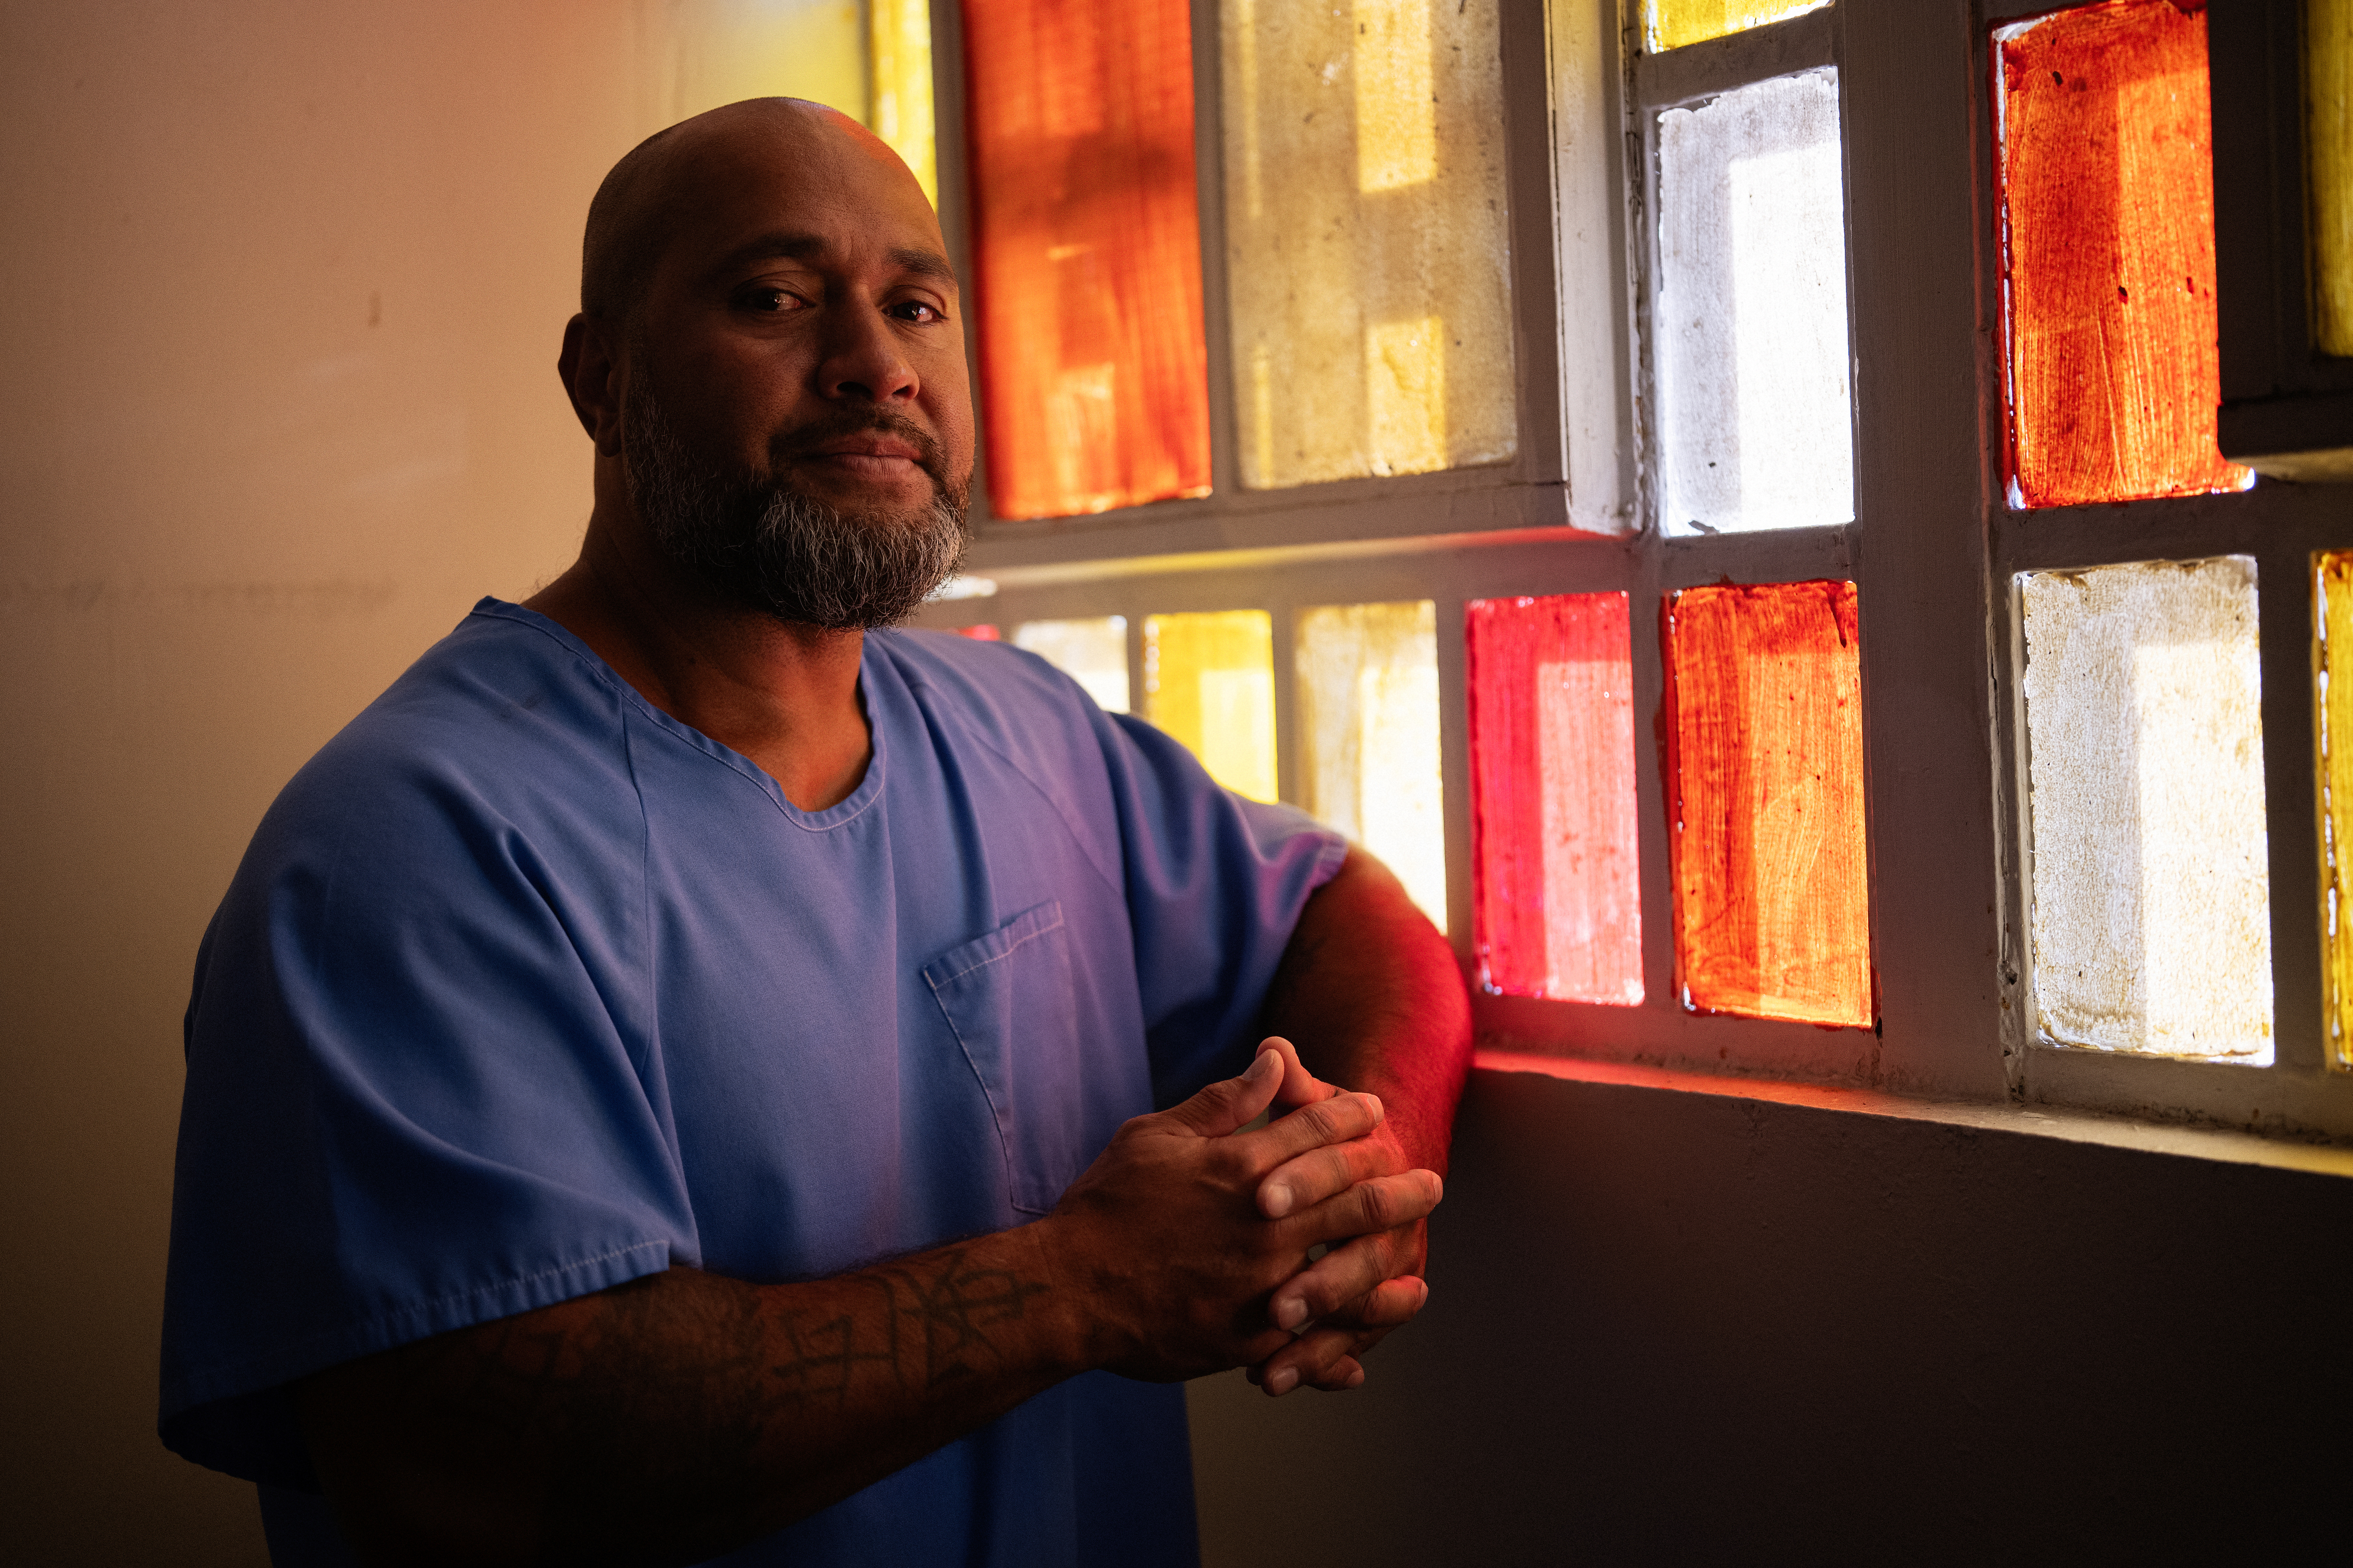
(592, 380)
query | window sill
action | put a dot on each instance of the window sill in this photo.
(2224, 1145)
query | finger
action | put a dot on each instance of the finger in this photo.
(1324, 1359)
(1340, 1278)
(1327, 1173)
(1231, 1103)
(1328, 1122)
(1378, 1204)
(1299, 1087)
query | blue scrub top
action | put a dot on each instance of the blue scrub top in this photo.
(525, 989)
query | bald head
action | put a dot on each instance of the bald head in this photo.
(664, 176)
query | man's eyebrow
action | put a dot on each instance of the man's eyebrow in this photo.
(798, 247)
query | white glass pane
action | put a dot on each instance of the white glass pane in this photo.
(1368, 703)
(1092, 652)
(1750, 322)
(2152, 890)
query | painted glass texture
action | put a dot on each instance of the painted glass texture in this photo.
(1672, 23)
(1093, 652)
(1750, 326)
(1557, 895)
(2107, 170)
(2329, 168)
(2144, 746)
(1209, 680)
(2332, 727)
(1086, 253)
(1368, 250)
(899, 73)
(1765, 802)
(1369, 710)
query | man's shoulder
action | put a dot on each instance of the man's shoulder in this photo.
(502, 716)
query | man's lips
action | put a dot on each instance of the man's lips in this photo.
(883, 447)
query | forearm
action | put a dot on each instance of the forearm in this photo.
(1372, 998)
(672, 1419)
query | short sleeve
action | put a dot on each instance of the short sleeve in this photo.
(1215, 884)
(417, 1088)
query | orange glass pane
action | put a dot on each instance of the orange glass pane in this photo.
(2108, 188)
(1556, 897)
(1087, 254)
(1765, 801)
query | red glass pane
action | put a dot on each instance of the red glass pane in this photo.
(981, 632)
(1557, 893)
(1087, 253)
(1765, 801)
(2107, 183)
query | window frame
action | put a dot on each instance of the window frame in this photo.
(1934, 552)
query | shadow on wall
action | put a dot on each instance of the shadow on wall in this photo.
(1673, 1327)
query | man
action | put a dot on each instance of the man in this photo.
(674, 1079)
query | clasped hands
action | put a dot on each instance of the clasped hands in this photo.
(1199, 1235)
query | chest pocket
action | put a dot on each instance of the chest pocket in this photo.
(1010, 998)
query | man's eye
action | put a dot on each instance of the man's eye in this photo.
(769, 301)
(916, 310)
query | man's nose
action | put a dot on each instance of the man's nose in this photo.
(864, 361)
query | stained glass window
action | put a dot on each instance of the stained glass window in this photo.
(1751, 317)
(2332, 729)
(898, 70)
(2152, 888)
(1367, 243)
(1557, 890)
(1209, 680)
(1087, 256)
(1672, 23)
(1765, 802)
(1368, 709)
(2329, 158)
(2107, 193)
(1093, 652)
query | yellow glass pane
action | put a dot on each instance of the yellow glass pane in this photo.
(1368, 708)
(2332, 729)
(1209, 680)
(1672, 23)
(899, 71)
(1366, 237)
(2328, 157)
(795, 49)
(1093, 652)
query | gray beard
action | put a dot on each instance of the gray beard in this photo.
(779, 551)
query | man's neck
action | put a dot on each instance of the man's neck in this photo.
(784, 696)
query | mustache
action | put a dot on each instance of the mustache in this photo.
(804, 441)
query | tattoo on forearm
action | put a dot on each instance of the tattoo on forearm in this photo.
(658, 1401)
